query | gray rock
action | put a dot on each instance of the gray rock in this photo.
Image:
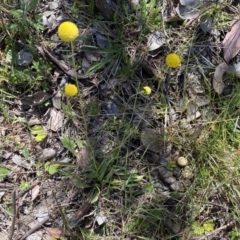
(106, 7)
(174, 226)
(47, 153)
(177, 186)
(24, 58)
(164, 173)
(177, 171)
(170, 180)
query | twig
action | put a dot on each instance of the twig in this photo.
(81, 211)
(14, 214)
(61, 64)
(32, 230)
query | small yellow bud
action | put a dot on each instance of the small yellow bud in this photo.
(147, 90)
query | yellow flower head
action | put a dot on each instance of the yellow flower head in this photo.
(173, 60)
(147, 90)
(68, 31)
(70, 90)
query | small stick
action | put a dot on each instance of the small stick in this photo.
(14, 215)
(32, 230)
(81, 211)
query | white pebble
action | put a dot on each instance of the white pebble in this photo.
(182, 161)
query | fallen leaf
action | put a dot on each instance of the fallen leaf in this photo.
(201, 100)
(4, 236)
(56, 100)
(188, 10)
(83, 158)
(20, 162)
(231, 42)
(35, 236)
(55, 120)
(206, 23)
(34, 192)
(3, 172)
(192, 108)
(151, 140)
(55, 232)
(102, 41)
(156, 40)
(218, 84)
(35, 99)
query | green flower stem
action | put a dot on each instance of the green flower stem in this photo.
(80, 98)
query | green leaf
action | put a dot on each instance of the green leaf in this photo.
(79, 183)
(68, 144)
(94, 195)
(9, 211)
(102, 170)
(148, 187)
(197, 229)
(39, 132)
(79, 143)
(208, 226)
(24, 186)
(137, 178)
(51, 168)
(3, 172)
(25, 152)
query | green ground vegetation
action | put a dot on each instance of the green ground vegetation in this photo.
(121, 182)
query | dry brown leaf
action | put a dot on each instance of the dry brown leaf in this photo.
(83, 157)
(151, 140)
(231, 42)
(55, 232)
(218, 84)
(58, 232)
(55, 119)
(35, 191)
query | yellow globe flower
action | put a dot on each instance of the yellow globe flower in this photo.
(68, 31)
(70, 90)
(147, 90)
(173, 60)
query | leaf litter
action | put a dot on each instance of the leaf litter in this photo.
(55, 146)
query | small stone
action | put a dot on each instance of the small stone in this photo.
(100, 219)
(182, 161)
(174, 226)
(177, 186)
(164, 173)
(152, 157)
(47, 154)
(170, 180)
(24, 58)
(176, 171)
